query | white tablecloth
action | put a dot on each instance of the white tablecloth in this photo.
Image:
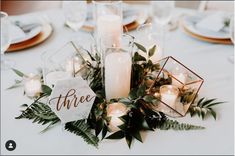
(210, 61)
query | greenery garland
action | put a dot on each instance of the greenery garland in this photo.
(140, 116)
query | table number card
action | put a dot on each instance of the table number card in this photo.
(72, 99)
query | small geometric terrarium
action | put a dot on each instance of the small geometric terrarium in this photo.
(67, 62)
(175, 86)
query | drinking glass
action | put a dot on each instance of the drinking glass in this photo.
(162, 11)
(152, 37)
(108, 23)
(75, 13)
(5, 40)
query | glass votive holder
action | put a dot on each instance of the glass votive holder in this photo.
(175, 86)
(108, 23)
(64, 63)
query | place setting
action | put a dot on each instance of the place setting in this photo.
(132, 18)
(120, 86)
(209, 26)
(27, 32)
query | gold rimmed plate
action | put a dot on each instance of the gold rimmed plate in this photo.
(41, 37)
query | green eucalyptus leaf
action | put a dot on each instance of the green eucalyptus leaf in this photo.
(139, 46)
(129, 139)
(18, 81)
(136, 134)
(13, 86)
(141, 91)
(19, 73)
(152, 51)
(133, 94)
(99, 126)
(149, 98)
(125, 101)
(124, 118)
(137, 57)
(116, 135)
(47, 90)
(104, 131)
(155, 101)
(123, 127)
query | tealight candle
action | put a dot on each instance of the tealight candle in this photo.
(32, 85)
(116, 110)
(109, 30)
(117, 75)
(73, 65)
(53, 77)
(169, 95)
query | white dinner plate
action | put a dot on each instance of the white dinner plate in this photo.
(189, 22)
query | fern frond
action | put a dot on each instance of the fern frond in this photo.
(203, 108)
(81, 128)
(40, 113)
(175, 125)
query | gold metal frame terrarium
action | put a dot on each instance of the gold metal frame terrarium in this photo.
(175, 86)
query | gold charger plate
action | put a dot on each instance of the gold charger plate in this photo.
(42, 36)
(203, 38)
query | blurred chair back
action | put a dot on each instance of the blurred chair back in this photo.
(227, 6)
(21, 7)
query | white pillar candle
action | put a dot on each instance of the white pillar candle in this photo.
(53, 77)
(117, 75)
(109, 30)
(116, 110)
(32, 85)
(169, 95)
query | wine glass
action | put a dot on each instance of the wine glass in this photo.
(5, 40)
(162, 12)
(75, 13)
(153, 37)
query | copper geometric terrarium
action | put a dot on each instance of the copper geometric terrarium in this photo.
(175, 86)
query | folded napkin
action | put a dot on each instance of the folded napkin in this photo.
(213, 22)
(16, 33)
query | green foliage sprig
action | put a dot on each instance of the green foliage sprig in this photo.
(204, 108)
(140, 117)
(175, 125)
(81, 128)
